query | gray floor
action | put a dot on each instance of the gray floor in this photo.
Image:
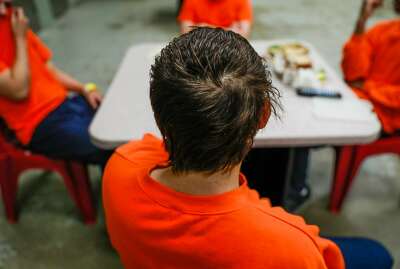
(90, 41)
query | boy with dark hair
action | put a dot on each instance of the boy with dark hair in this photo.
(181, 202)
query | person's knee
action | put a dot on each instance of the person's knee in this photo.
(363, 253)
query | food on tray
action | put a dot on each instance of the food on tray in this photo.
(293, 65)
(299, 60)
(294, 54)
(295, 48)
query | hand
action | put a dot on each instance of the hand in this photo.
(203, 24)
(359, 84)
(368, 7)
(19, 23)
(94, 98)
(235, 27)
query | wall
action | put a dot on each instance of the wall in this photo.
(41, 13)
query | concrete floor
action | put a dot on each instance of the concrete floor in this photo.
(89, 42)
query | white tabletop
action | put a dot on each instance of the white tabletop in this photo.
(126, 111)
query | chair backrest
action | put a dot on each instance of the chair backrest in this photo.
(8, 141)
(4, 146)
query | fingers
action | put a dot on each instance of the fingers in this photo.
(14, 15)
(99, 99)
(377, 3)
(93, 103)
(94, 100)
(21, 15)
(18, 15)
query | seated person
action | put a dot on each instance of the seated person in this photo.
(371, 61)
(235, 15)
(181, 202)
(371, 64)
(33, 95)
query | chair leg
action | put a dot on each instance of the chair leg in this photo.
(82, 192)
(75, 178)
(358, 158)
(8, 187)
(340, 186)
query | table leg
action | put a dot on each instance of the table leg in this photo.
(288, 177)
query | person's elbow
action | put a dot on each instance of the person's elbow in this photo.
(19, 91)
(15, 88)
(20, 95)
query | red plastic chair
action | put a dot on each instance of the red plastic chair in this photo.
(348, 161)
(14, 161)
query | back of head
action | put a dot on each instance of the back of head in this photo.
(396, 4)
(209, 90)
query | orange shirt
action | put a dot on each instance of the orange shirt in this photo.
(220, 13)
(153, 226)
(45, 92)
(375, 58)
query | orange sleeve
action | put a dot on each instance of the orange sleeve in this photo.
(3, 66)
(245, 10)
(39, 46)
(385, 94)
(358, 53)
(329, 250)
(187, 11)
(148, 151)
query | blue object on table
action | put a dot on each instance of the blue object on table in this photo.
(313, 92)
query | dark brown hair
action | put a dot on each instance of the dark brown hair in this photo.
(396, 5)
(208, 89)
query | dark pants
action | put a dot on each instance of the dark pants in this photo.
(267, 171)
(361, 253)
(64, 134)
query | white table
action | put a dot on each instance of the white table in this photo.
(126, 112)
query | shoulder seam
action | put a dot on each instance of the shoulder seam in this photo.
(294, 226)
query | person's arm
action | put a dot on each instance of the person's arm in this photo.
(186, 17)
(15, 81)
(358, 51)
(243, 18)
(367, 9)
(65, 79)
(386, 94)
(329, 251)
(359, 84)
(93, 97)
(186, 26)
(241, 27)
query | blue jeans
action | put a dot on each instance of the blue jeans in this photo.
(63, 134)
(362, 253)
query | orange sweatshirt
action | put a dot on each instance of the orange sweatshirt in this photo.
(153, 226)
(375, 58)
(45, 92)
(221, 13)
